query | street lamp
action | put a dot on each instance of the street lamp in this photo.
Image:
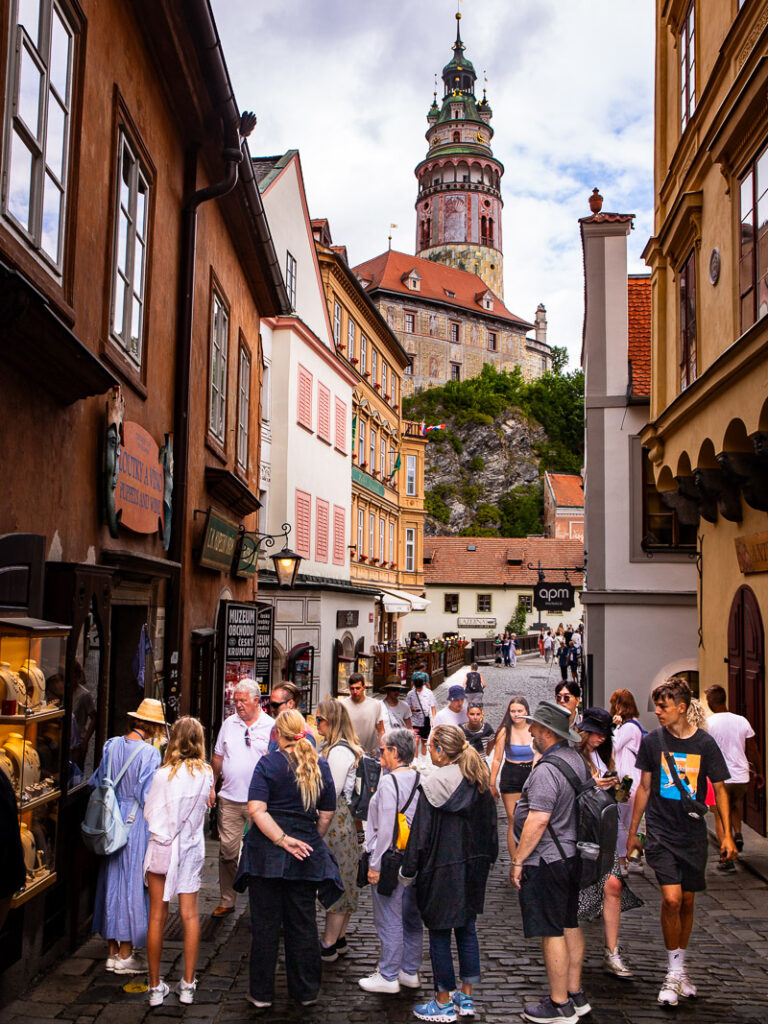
(286, 562)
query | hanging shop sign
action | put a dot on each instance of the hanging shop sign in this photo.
(752, 553)
(262, 670)
(477, 621)
(140, 482)
(347, 619)
(553, 597)
(220, 538)
(239, 632)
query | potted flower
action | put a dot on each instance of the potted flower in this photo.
(362, 558)
(366, 373)
(363, 464)
(374, 561)
(354, 359)
(388, 397)
(377, 386)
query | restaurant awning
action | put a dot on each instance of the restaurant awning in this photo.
(400, 602)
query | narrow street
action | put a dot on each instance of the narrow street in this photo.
(728, 959)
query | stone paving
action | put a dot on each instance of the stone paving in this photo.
(728, 959)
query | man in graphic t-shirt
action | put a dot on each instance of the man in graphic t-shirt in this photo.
(676, 833)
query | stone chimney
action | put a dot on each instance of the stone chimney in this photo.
(540, 321)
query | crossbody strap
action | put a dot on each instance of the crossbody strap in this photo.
(125, 767)
(576, 785)
(406, 805)
(673, 771)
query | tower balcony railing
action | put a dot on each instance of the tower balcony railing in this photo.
(459, 186)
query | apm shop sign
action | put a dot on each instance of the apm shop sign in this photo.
(553, 597)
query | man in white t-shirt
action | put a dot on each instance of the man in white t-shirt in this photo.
(366, 715)
(395, 713)
(736, 739)
(242, 741)
(454, 713)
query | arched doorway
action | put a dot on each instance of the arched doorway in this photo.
(746, 681)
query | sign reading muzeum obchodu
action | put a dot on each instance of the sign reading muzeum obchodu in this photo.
(247, 647)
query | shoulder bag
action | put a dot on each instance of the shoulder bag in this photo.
(393, 858)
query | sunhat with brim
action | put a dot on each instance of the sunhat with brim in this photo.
(394, 685)
(553, 717)
(596, 720)
(149, 711)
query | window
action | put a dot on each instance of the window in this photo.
(687, 67)
(688, 323)
(662, 529)
(391, 542)
(450, 604)
(303, 523)
(408, 371)
(526, 600)
(243, 408)
(129, 253)
(340, 440)
(350, 338)
(492, 341)
(322, 516)
(323, 412)
(410, 549)
(266, 393)
(372, 452)
(753, 261)
(363, 353)
(360, 532)
(383, 458)
(410, 474)
(371, 534)
(304, 398)
(381, 539)
(384, 378)
(338, 535)
(361, 449)
(455, 371)
(290, 278)
(483, 602)
(36, 164)
(337, 324)
(374, 365)
(217, 406)
(409, 323)
(457, 136)
(391, 461)
(455, 333)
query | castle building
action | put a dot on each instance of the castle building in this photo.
(445, 304)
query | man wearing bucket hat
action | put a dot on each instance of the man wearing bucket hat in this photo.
(455, 712)
(546, 866)
(395, 712)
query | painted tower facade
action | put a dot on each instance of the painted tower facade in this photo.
(458, 209)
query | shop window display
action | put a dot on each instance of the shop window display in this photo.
(32, 734)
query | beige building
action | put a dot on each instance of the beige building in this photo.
(708, 429)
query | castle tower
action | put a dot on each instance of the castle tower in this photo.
(458, 209)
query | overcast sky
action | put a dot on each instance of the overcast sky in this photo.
(348, 83)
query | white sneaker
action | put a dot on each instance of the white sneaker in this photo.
(256, 1002)
(409, 980)
(185, 990)
(687, 988)
(110, 964)
(157, 995)
(133, 964)
(670, 990)
(376, 983)
(636, 867)
(613, 963)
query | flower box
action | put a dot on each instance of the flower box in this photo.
(374, 472)
(362, 558)
(363, 464)
(366, 373)
(353, 359)
(388, 397)
(374, 561)
(377, 386)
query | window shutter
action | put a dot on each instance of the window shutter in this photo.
(303, 523)
(341, 425)
(323, 412)
(304, 398)
(321, 530)
(339, 517)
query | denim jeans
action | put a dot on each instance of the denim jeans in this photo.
(442, 959)
(400, 931)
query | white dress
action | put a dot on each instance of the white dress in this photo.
(175, 813)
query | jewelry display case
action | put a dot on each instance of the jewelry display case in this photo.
(32, 736)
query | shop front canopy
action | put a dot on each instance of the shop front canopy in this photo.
(400, 602)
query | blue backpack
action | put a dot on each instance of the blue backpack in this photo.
(103, 830)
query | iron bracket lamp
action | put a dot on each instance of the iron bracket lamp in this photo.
(286, 562)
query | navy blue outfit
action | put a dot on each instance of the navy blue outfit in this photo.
(282, 889)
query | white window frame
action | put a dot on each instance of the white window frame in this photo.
(363, 353)
(374, 364)
(383, 457)
(371, 534)
(383, 377)
(410, 549)
(266, 393)
(361, 433)
(131, 278)
(360, 531)
(410, 323)
(381, 539)
(410, 475)
(337, 323)
(372, 451)
(290, 278)
(350, 338)
(391, 542)
(687, 45)
(243, 408)
(217, 384)
(454, 333)
(34, 138)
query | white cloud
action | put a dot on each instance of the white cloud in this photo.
(349, 84)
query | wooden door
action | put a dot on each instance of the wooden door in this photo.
(746, 686)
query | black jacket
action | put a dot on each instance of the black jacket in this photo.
(452, 844)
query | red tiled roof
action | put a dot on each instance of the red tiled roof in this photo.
(488, 565)
(388, 271)
(639, 334)
(567, 488)
(608, 218)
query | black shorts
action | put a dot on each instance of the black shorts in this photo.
(423, 731)
(513, 776)
(672, 870)
(549, 897)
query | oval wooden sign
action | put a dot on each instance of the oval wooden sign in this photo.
(139, 491)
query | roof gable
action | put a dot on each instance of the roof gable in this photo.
(502, 561)
(567, 489)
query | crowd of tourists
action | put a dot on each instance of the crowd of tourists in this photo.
(403, 798)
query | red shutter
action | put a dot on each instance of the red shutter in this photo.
(322, 509)
(323, 412)
(341, 425)
(338, 535)
(304, 398)
(303, 523)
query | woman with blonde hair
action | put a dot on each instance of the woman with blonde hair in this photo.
(175, 814)
(342, 750)
(285, 865)
(451, 847)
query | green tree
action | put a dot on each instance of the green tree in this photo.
(517, 624)
(522, 511)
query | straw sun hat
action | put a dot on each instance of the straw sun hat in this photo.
(149, 711)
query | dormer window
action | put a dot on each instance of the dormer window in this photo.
(412, 281)
(485, 299)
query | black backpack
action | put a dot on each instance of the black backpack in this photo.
(472, 683)
(597, 816)
(366, 781)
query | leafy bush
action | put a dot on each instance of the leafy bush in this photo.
(476, 464)
(436, 507)
(518, 623)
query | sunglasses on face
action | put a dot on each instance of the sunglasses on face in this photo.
(319, 718)
(564, 698)
(275, 705)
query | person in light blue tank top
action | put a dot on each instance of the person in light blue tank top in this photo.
(512, 757)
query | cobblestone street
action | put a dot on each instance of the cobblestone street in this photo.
(728, 960)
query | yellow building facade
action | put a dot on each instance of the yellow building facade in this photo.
(708, 432)
(387, 517)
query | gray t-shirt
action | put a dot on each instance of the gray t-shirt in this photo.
(394, 717)
(547, 789)
(365, 718)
